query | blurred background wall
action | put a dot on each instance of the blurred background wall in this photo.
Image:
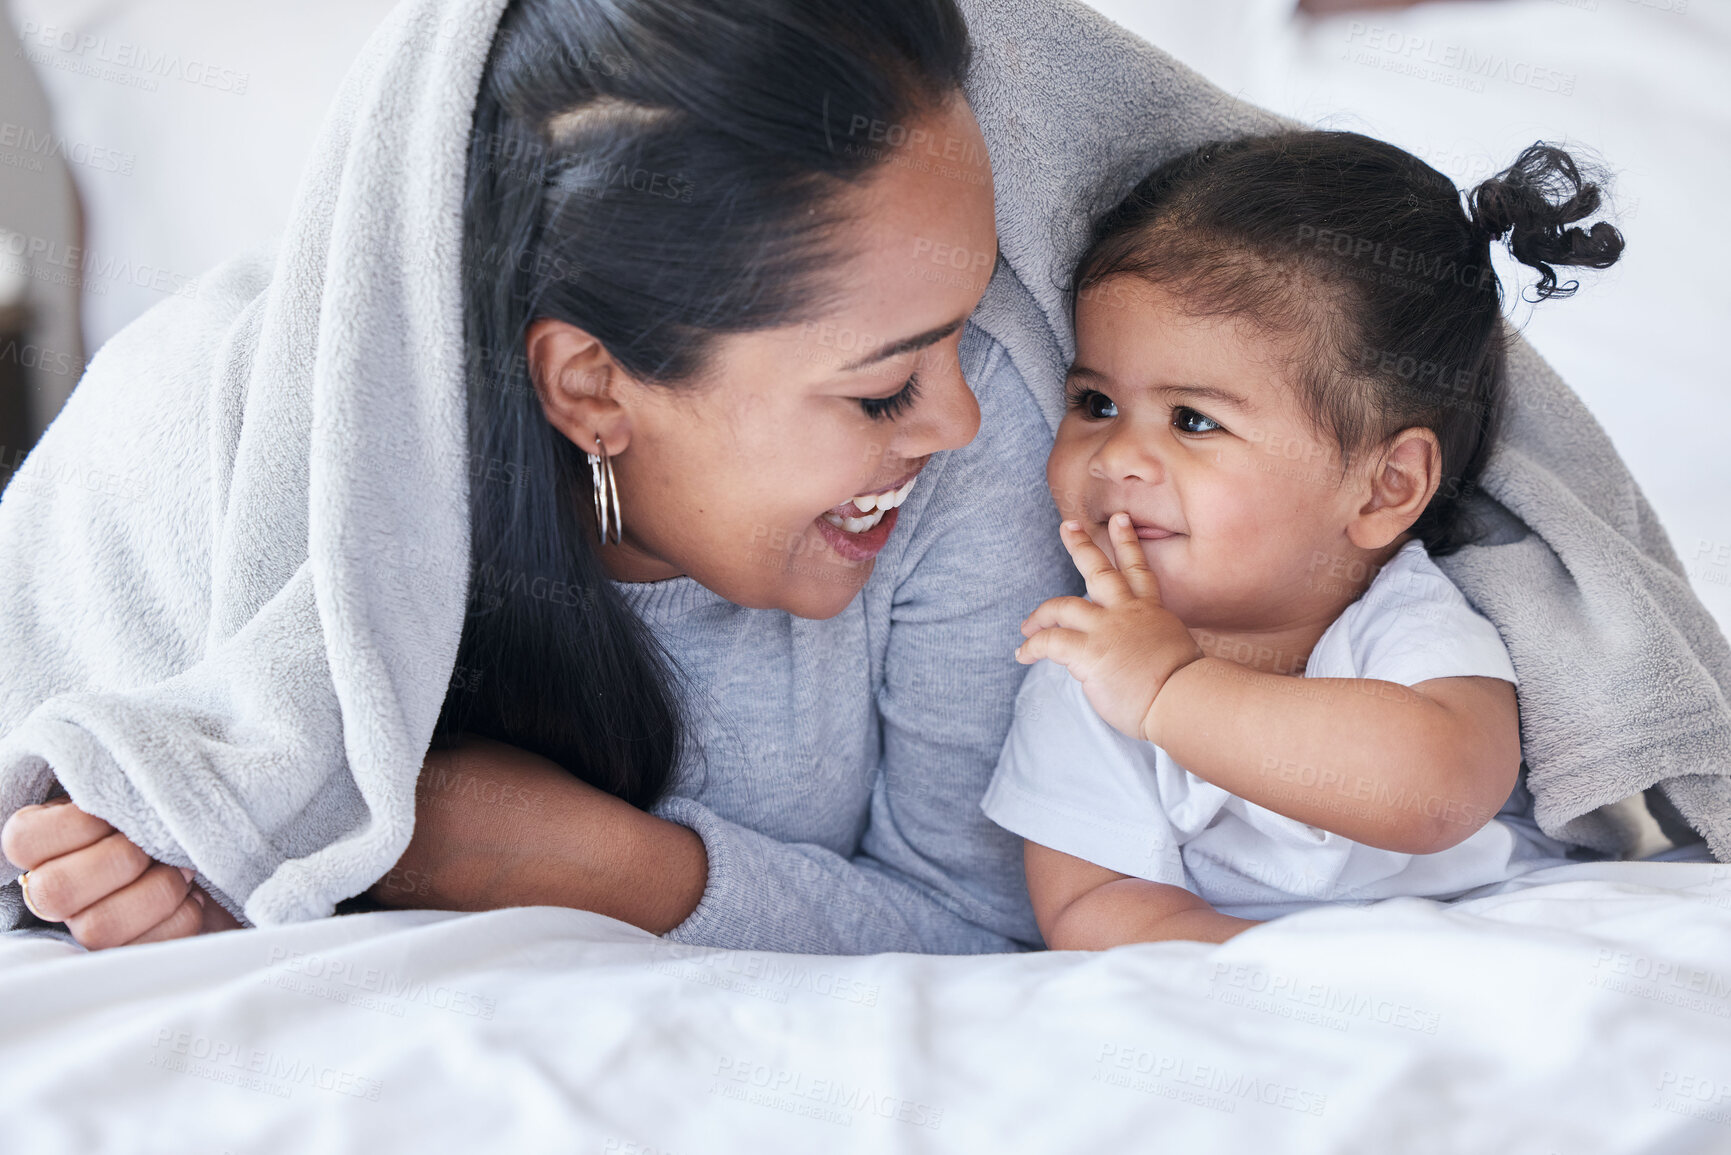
(144, 141)
(41, 353)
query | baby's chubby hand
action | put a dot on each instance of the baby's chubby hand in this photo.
(1120, 643)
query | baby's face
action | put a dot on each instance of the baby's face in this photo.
(1191, 425)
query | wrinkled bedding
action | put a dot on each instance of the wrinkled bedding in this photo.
(1581, 1009)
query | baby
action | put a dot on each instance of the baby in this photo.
(1289, 367)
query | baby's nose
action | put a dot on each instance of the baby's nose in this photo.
(1125, 456)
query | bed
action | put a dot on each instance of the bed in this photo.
(1577, 1010)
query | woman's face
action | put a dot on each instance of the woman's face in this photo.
(758, 480)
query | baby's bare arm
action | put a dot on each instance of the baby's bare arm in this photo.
(1081, 906)
(1414, 769)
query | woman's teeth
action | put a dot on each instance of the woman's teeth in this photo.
(872, 506)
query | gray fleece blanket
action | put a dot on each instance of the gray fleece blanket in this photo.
(232, 574)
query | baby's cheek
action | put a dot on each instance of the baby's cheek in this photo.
(1242, 538)
(1066, 472)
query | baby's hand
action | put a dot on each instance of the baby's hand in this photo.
(1124, 644)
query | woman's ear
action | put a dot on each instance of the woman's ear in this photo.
(1406, 475)
(578, 383)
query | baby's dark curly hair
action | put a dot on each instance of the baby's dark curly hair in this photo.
(1370, 257)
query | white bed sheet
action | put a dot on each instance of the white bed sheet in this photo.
(1579, 1010)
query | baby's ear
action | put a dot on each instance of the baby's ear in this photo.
(1406, 473)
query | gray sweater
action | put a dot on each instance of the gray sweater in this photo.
(835, 768)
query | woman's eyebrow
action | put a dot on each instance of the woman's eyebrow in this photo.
(907, 345)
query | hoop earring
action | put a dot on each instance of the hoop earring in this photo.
(606, 490)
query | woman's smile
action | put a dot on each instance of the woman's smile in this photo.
(858, 528)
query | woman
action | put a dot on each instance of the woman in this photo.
(707, 278)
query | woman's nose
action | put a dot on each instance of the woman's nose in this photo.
(948, 415)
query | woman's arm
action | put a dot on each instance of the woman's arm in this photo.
(498, 826)
(1081, 906)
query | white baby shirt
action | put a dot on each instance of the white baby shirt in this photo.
(1069, 781)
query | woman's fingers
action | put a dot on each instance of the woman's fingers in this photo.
(1105, 584)
(1059, 645)
(186, 921)
(35, 834)
(1070, 613)
(132, 911)
(65, 885)
(1132, 562)
(215, 917)
(94, 879)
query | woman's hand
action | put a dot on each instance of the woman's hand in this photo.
(496, 826)
(108, 892)
(1124, 644)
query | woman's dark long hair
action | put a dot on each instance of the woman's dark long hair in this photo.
(1372, 254)
(657, 173)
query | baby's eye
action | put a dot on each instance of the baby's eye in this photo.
(1094, 405)
(1188, 420)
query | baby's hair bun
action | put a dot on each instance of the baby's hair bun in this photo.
(1534, 202)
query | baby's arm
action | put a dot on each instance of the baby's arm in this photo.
(1414, 769)
(1081, 906)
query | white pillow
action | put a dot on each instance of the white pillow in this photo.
(187, 123)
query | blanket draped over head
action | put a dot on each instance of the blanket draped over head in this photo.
(232, 575)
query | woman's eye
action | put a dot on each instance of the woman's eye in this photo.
(1094, 405)
(893, 406)
(1187, 420)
